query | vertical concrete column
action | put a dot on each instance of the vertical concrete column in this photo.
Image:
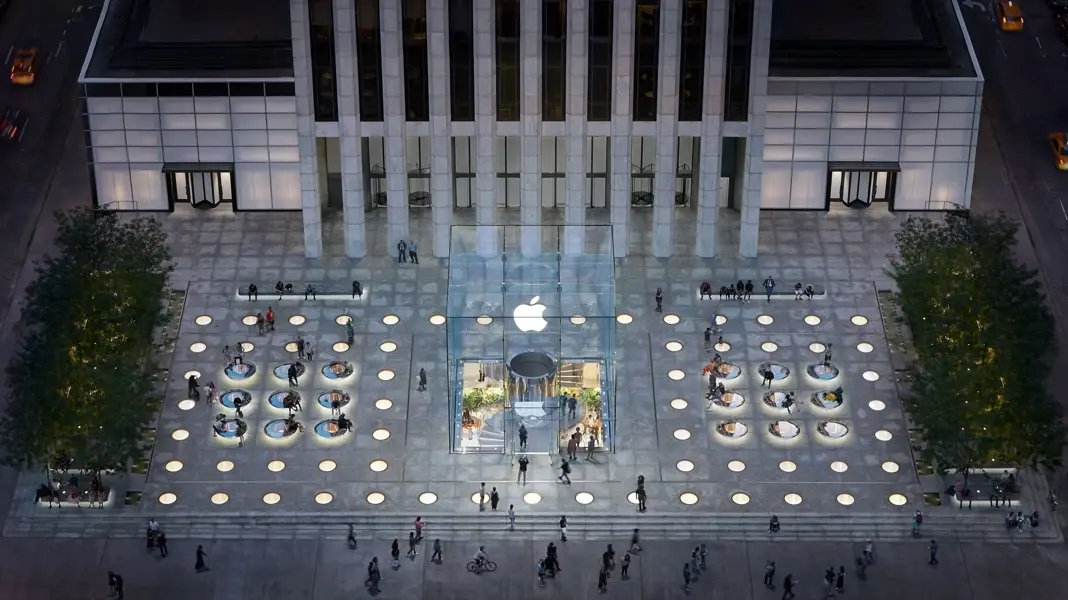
(711, 127)
(311, 207)
(575, 105)
(352, 192)
(393, 97)
(441, 179)
(622, 122)
(530, 122)
(754, 147)
(667, 128)
(485, 126)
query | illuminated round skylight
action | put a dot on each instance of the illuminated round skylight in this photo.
(219, 498)
(845, 499)
(378, 465)
(225, 466)
(578, 320)
(174, 466)
(327, 466)
(324, 498)
(765, 319)
(484, 320)
(249, 320)
(792, 499)
(391, 319)
(679, 404)
(859, 320)
(186, 404)
(676, 374)
(198, 347)
(769, 346)
(428, 498)
(532, 497)
(891, 466)
(865, 347)
(272, 498)
(817, 347)
(787, 466)
(673, 346)
(168, 498)
(624, 319)
(736, 465)
(380, 434)
(883, 435)
(672, 319)
(688, 498)
(584, 498)
(740, 498)
(203, 320)
(813, 320)
(685, 466)
(376, 498)
(343, 319)
(387, 346)
(386, 375)
(437, 320)
(297, 320)
(383, 404)
(871, 376)
(180, 434)
(898, 499)
(276, 466)
(681, 434)
(839, 466)
(340, 347)
(876, 405)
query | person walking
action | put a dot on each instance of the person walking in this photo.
(933, 548)
(411, 553)
(572, 404)
(495, 498)
(511, 517)
(300, 348)
(523, 463)
(695, 563)
(788, 587)
(436, 556)
(565, 472)
(402, 251)
(115, 581)
(869, 552)
(572, 448)
(602, 581)
(412, 248)
(270, 318)
(769, 286)
(640, 493)
(591, 446)
(194, 385)
(522, 436)
(353, 544)
(161, 543)
(839, 582)
(635, 546)
(769, 574)
(686, 577)
(917, 520)
(418, 525)
(708, 339)
(828, 583)
(659, 300)
(422, 380)
(394, 553)
(201, 564)
(541, 572)
(624, 567)
(482, 497)
(291, 373)
(309, 351)
(350, 333)
(563, 528)
(261, 324)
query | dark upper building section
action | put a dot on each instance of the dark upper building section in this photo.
(160, 39)
(868, 38)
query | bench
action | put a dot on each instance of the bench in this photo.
(781, 291)
(321, 292)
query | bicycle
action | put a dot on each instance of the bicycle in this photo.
(477, 567)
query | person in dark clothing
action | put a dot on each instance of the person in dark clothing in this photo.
(357, 290)
(279, 287)
(411, 545)
(602, 581)
(839, 583)
(659, 300)
(495, 498)
(769, 574)
(402, 251)
(200, 565)
(749, 290)
(523, 463)
(253, 292)
(788, 587)
(624, 567)
(394, 553)
(161, 543)
(115, 582)
(522, 436)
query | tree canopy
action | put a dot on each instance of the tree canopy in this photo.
(984, 342)
(81, 384)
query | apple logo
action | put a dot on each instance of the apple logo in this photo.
(528, 317)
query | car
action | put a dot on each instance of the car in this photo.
(13, 125)
(24, 66)
(1059, 144)
(1008, 15)
(1060, 22)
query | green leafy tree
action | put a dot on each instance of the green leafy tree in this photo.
(81, 385)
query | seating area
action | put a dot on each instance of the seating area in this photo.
(303, 291)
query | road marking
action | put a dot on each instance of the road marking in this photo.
(59, 48)
(1003, 53)
(78, 9)
(10, 51)
(1063, 212)
(972, 4)
(1041, 50)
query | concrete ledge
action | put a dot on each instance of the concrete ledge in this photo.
(819, 292)
(321, 293)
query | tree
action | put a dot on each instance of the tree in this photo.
(983, 339)
(81, 385)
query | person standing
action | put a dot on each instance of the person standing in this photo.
(828, 583)
(563, 528)
(788, 587)
(115, 581)
(839, 583)
(261, 324)
(708, 339)
(422, 380)
(412, 248)
(350, 333)
(418, 524)
(624, 567)
(495, 498)
(933, 548)
(827, 355)
(436, 556)
(291, 373)
(194, 385)
(917, 520)
(411, 545)
(659, 300)
(201, 565)
(591, 446)
(270, 318)
(769, 286)
(769, 574)
(640, 493)
(572, 404)
(309, 351)
(686, 577)
(522, 436)
(748, 290)
(522, 477)
(161, 543)
(482, 497)
(572, 448)
(300, 348)
(394, 553)
(402, 251)
(511, 517)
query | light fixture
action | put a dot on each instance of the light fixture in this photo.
(898, 499)
(246, 347)
(383, 404)
(740, 498)
(883, 435)
(297, 320)
(272, 498)
(584, 498)
(343, 319)
(532, 497)
(817, 347)
(327, 465)
(437, 320)
(676, 374)
(673, 346)
(632, 498)
(340, 347)
(721, 320)
(378, 465)
(624, 319)
(765, 319)
(186, 404)
(769, 346)
(688, 498)
(722, 346)
(792, 499)
(198, 347)
(736, 466)
(844, 499)
(681, 434)
(168, 498)
(578, 320)
(291, 347)
(391, 319)
(787, 466)
(191, 373)
(386, 375)
(275, 466)
(380, 434)
(891, 466)
(672, 319)
(813, 320)
(865, 347)
(876, 405)
(387, 346)
(428, 498)
(484, 319)
(249, 320)
(376, 498)
(679, 404)
(225, 466)
(479, 498)
(859, 320)
(871, 376)
(174, 466)
(324, 498)
(180, 435)
(839, 466)
(685, 466)
(219, 498)
(203, 320)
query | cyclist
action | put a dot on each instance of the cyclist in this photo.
(480, 557)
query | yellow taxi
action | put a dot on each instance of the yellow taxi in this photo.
(24, 66)
(1008, 14)
(1059, 144)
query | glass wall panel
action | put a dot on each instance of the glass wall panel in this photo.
(369, 59)
(692, 60)
(507, 60)
(413, 36)
(324, 80)
(646, 59)
(554, 59)
(462, 60)
(599, 85)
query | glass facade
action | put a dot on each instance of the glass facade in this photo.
(646, 59)
(413, 37)
(554, 59)
(739, 46)
(369, 59)
(507, 60)
(462, 60)
(599, 84)
(692, 60)
(525, 332)
(324, 79)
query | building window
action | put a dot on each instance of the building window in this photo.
(369, 59)
(686, 156)
(374, 152)
(642, 170)
(413, 32)
(599, 82)
(739, 46)
(692, 61)
(463, 164)
(858, 189)
(554, 59)
(553, 171)
(646, 59)
(597, 172)
(507, 60)
(417, 153)
(462, 59)
(324, 81)
(507, 151)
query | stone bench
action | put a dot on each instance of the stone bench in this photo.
(781, 291)
(322, 292)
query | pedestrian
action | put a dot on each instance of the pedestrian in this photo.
(862, 566)
(788, 587)
(917, 520)
(602, 581)
(300, 348)
(708, 339)
(270, 318)
(541, 572)
(572, 404)
(869, 551)
(194, 385)
(511, 517)
(402, 251)
(608, 560)
(412, 251)
(703, 555)
(372, 568)
(161, 543)
(695, 563)
(748, 290)
(769, 286)
(635, 546)
(640, 492)
(115, 581)
(769, 574)
(563, 528)
(494, 499)
(291, 373)
(839, 582)
(522, 436)
(253, 292)
(309, 290)
(624, 567)
(591, 445)
(280, 288)
(436, 556)
(768, 376)
(352, 537)
(686, 576)
(357, 290)
(394, 553)
(565, 471)
(376, 578)
(933, 547)
(309, 351)
(350, 334)
(261, 324)
(741, 291)
(418, 524)
(523, 462)
(797, 291)
(482, 497)
(828, 583)
(411, 553)
(201, 564)
(705, 290)
(150, 539)
(659, 300)
(228, 356)
(827, 354)
(422, 380)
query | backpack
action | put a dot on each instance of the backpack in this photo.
(919, 519)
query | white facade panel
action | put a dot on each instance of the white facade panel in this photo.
(148, 185)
